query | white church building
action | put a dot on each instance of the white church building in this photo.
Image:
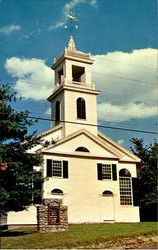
(91, 173)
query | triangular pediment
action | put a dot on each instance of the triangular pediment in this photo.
(96, 145)
(125, 154)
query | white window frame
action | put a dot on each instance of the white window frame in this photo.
(57, 176)
(127, 195)
(103, 169)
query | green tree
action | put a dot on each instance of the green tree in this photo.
(145, 189)
(19, 182)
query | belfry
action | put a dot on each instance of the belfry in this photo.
(74, 97)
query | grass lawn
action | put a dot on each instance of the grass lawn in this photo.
(82, 236)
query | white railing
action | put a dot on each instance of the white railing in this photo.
(81, 84)
(68, 82)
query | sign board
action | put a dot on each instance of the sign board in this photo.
(53, 215)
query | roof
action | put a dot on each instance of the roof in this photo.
(101, 147)
(70, 53)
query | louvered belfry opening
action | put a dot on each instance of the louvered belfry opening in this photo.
(78, 74)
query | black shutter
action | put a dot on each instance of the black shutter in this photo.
(37, 198)
(114, 172)
(49, 168)
(99, 169)
(65, 169)
(135, 190)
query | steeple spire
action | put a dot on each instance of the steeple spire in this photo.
(71, 45)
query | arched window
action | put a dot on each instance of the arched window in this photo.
(82, 149)
(81, 108)
(107, 193)
(57, 112)
(125, 187)
(57, 191)
(124, 172)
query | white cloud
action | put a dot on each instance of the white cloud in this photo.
(119, 113)
(120, 141)
(35, 79)
(122, 99)
(9, 29)
(67, 8)
(119, 100)
(58, 24)
(48, 111)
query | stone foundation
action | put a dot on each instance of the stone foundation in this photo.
(52, 216)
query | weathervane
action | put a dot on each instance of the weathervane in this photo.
(72, 26)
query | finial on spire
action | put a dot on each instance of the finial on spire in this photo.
(71, 44)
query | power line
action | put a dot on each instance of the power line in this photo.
(110, 60)
(93, 72)
(94, 125)
(128, 79)
(116, 92)
(135, 65)
(107, 110)
(38, 113)
(47, 114)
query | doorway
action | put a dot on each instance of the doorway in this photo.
(107, 206)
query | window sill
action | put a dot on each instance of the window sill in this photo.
(81, 119)
(107, 195)
(126, 206)
(106, 180)
(54, 177)
(57, 177)
(57, 194)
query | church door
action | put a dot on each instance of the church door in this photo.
(107, 208)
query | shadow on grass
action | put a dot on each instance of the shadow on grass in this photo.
(16, 233)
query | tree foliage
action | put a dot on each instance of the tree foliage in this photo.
(145, 190)
(19, 183)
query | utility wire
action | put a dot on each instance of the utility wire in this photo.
(128, 79)
(93, 72)
(38, 113)
(110, 60)
(94, 125)
(115, 93)
(128, 64)
(113, 90)
(48, 119)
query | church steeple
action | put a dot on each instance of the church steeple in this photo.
(71, 45)
(73, 101)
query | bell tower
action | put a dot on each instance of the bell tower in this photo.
(73, 100)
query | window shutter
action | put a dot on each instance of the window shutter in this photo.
(65, 169)
(99, 168)
(37, 199)
(114, 172)
(135, 191)
(49, 168)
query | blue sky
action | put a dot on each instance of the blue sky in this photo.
(121, 36)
